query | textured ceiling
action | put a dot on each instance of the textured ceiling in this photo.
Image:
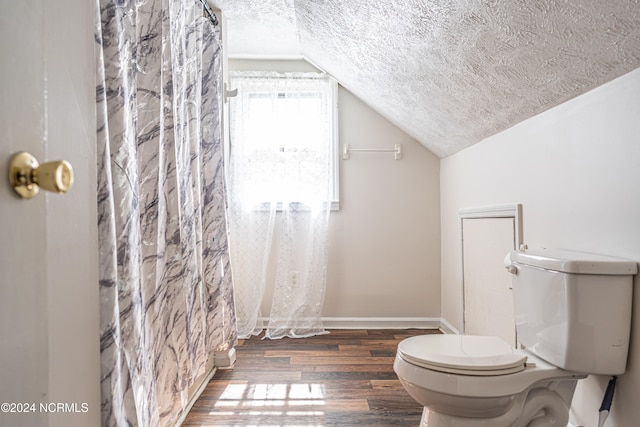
(448, 72)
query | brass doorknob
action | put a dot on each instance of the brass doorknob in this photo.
(27, 176)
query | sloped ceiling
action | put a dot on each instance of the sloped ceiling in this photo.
(448, 72)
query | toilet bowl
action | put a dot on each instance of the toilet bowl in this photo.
(466, 380)
(573, 317)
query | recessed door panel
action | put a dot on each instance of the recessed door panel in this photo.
(488, 300)
(49, 302)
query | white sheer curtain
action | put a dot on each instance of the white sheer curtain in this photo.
(280, 193)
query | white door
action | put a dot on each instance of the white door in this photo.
(488, 299)
(49, 304)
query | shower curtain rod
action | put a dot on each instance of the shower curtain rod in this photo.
(207, 8)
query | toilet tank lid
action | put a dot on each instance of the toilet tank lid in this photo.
(574, 262)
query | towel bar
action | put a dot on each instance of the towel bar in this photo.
(346, 149)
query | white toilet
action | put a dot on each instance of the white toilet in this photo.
(573, 318)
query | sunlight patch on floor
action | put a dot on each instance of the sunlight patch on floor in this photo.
(273, 400)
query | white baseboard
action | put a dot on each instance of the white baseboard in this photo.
(194, 393)
(448, 328)
(224, 359)
(381, 322)
(221, 360)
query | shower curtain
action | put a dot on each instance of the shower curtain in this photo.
(165, 282)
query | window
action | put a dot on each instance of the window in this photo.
(284, 139)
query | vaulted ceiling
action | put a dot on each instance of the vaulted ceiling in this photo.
(448, 72)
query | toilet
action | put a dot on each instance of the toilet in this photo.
(573, 318)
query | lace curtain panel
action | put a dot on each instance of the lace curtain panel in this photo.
(280, 192)
(165, 282)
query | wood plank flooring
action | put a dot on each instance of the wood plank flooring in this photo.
(344, 378)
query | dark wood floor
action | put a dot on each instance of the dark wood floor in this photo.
(344, 378)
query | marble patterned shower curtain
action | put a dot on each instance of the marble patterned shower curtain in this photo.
(165, 282)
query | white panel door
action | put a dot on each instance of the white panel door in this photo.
(49, 303)
(488, 300)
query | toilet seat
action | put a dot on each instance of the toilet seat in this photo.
(463, 354)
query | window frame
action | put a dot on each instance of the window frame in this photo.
(334, 143)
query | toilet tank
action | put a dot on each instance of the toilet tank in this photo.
(573, 309)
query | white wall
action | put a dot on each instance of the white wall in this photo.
(576, 170)
(384, 247)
